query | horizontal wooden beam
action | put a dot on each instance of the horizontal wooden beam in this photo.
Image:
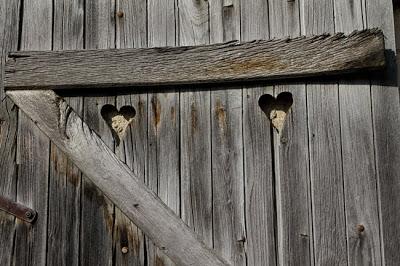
(67, 130)
(220, 63)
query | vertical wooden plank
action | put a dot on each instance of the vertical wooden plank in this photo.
(258, 151)
(329, 225)
(328, 218)
(97, 210)
(359, 173)
(33, 148)
(386, 125)
(129, 243)
(131, 31)
(294, 224)
(9, 21)
(65, 178)
(292, 182)
(163, 122)
(227, 145)
(284, 18)
(196, 188)
(259, 182)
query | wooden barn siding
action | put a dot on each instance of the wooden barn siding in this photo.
(256, 197)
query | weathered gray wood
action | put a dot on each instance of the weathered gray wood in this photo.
(292, 183)
(163, 134)
(33, 148)
(258, 60)
(294, 231)
(64, 221)
(258, 151)
(129, 243)
(386, 124)
(132, 151)
(114, 178)
(131, 28)
(228, 185)
(196, 178)
(328, 218)
(359, 171)
(163, 123)
(227, 146)
(329, 225)
(97, 210)
(9, 21)
(359, 174)
(259, 180)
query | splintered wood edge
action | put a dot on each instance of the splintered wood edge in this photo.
(208, 64)
(114, 178)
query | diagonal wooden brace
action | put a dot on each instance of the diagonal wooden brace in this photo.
(71, 134)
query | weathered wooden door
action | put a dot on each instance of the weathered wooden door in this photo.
(323, 192)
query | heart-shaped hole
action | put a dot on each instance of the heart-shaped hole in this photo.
(118, 121)
(277, 108)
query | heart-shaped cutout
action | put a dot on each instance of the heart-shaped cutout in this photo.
(118, 121)
(277, 108)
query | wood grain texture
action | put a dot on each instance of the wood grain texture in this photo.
(258, 152)
(33, 148)
(386, 124)
(227, 146)
(294, 224)
(133, 152)
(228, 184)
(163, 126)
(295, 238)
(329, 225)
(259, 180)
(196, 177)
(131, 32)
(359, 175)
(358, 154)
(97, 210)
(64, 219)
(229, 62)
(9, 22)
(323, 118)
(114, 178)
(163, 156)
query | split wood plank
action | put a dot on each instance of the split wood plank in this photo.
(258, 151)
(64, 214)
(229, 227)
(163, 175)
(196, 176)
(33, 148)
(53, 116)
(358, 154)
(9, 22)
(97, 211)
(229, 62)
(386, 125)
(131, 31)
(326, 178)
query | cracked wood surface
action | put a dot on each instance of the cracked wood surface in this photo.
(219, 63)
(114, 178)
